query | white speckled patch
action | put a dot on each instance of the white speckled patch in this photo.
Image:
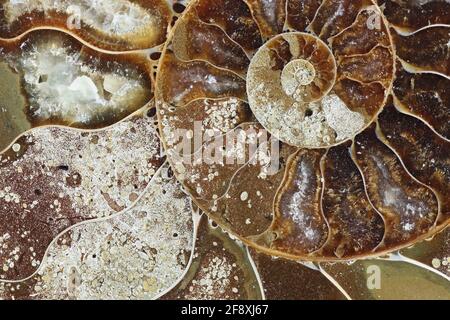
(60, 177)
(134, 255)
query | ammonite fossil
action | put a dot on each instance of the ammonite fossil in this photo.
(353, 93)
(224, 149)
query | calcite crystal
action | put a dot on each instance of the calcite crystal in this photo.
(117, 25)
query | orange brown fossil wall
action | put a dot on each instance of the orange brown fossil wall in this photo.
(377, 178)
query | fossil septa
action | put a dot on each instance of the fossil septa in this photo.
(356, 103)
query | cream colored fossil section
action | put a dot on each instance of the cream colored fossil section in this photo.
(286, 80)
(56, 80)
(134, 255)
(53, 178)
(108, 24)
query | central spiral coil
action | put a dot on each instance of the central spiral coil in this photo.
(286, 82)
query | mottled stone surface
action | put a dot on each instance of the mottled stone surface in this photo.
(136, 254)
(52, 178)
